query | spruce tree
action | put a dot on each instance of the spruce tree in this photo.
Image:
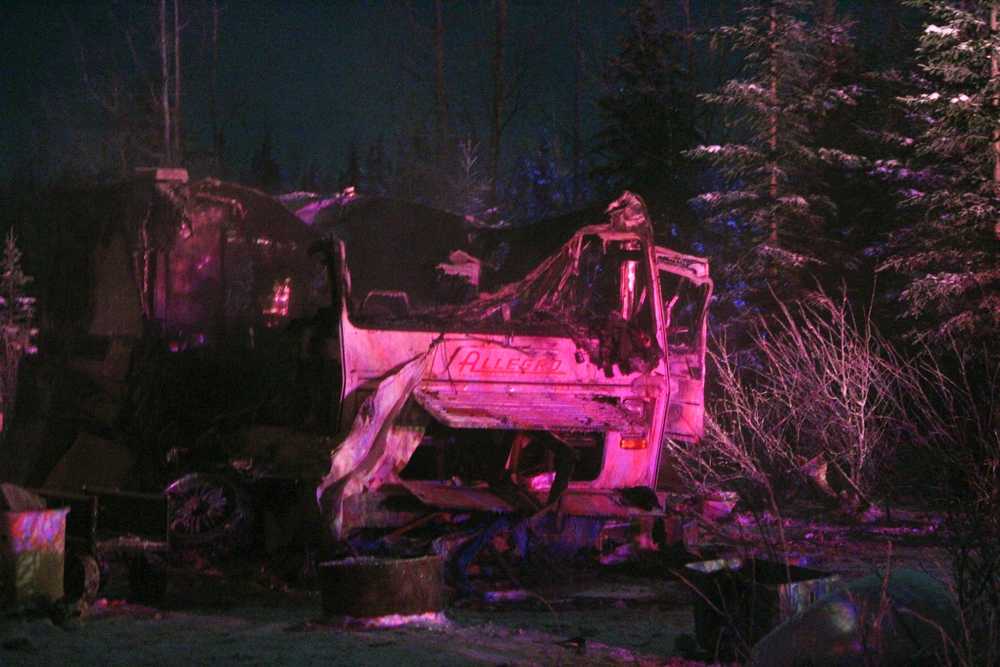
(376, 169)
(649, 114)
(541, 184)
(772, 210)
(950, 254)
(264, 170)
(17, 319)
(351, 175)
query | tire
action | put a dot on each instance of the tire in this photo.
(82, 577)
(209, 512)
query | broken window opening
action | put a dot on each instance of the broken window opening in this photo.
(593, 283)
(530, 458)
(684, 307)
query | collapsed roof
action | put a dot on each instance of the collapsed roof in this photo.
(413, 266)
(103, 252)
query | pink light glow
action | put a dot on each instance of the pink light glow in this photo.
(281, 297)
(542, 482)
(629, 269)
(43, 530)
(308, 213)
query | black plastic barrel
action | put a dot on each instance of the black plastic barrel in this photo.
(367, 587)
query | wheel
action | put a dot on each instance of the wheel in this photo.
(82, 577)
(209, 512)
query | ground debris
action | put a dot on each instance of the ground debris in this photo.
(902, 618)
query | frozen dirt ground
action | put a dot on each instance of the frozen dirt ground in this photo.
(617, 622)
(608, 617)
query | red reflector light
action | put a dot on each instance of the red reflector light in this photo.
(633, 443)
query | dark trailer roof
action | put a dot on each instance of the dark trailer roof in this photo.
(396, 245)
(527, 246)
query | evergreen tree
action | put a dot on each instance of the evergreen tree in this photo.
(17, 319)
(470, 187)
(264, 170)
(772, 209)
(376, 169)
(457, 181)
(857, 128)
(351, 175)
(17, 309)
(950, 255)
(542, 183)
(414, 159)
(309, 180)
(868, 136)
(649, 114)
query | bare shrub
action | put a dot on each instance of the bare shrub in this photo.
(815, 401)
(820, 392)
(954, 400)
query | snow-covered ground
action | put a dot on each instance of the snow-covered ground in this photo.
(610, 616)
(612, 623)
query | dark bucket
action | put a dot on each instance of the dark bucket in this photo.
(368, 587)
(738, 601)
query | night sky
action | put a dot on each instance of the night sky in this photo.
(316, 76)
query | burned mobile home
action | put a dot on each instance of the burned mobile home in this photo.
(510, 370)
(165, 307)
(197, 260)
(492, 372)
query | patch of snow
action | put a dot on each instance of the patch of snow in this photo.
(940, 31)
(397, 620)
(848, 160)
(797, 201)
(788, 257)
(846, 95)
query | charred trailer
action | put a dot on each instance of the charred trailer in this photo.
(511, 371)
